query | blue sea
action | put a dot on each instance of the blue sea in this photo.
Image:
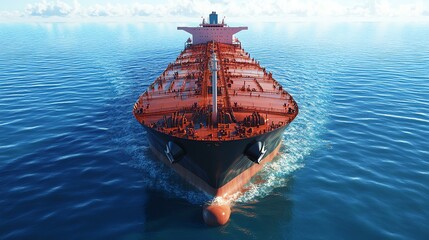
(74, 163)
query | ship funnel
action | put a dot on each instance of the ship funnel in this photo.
(173, 152)
(256, 152)
(213, 18)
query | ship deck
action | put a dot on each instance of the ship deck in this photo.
(250, 101)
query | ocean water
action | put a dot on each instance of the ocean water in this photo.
(74, 164)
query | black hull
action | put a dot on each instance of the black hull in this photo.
(215, 162)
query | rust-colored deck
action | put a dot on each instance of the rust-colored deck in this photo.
(250, 101)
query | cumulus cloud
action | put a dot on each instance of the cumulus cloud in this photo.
(48, 9)
(247, 9)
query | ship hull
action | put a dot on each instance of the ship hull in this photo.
(215, 115)
(216, 167)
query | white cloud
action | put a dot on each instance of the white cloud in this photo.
(244, 9)
(143, 9)
(48, 9)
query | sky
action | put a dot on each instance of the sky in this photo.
(253, 10)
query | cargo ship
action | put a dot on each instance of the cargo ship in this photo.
(215, 115)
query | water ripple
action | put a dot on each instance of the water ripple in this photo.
(352, 165)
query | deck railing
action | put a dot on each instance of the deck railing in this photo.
(168, 110)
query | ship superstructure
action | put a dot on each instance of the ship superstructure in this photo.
(215, 115)
(212, 31)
